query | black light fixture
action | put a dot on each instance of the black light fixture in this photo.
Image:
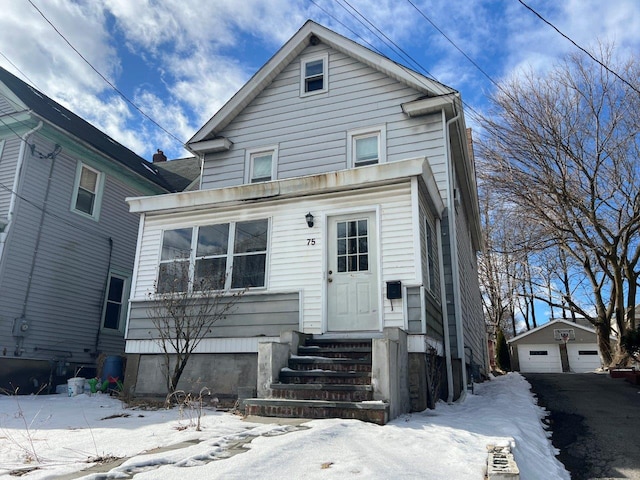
(309, 218)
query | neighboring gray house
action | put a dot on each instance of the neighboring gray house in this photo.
(339, 187)
(67, 240)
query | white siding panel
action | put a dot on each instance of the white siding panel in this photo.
(9, 152)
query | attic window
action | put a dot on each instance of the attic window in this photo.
(314, 78)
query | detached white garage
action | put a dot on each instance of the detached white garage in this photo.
(542, 350)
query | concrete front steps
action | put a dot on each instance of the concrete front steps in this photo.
(329, 378)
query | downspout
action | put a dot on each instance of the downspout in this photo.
(453, 242)
(445, 315)
(16, 184)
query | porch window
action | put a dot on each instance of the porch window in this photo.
(87, 191)
(221, 256)
(313, 75)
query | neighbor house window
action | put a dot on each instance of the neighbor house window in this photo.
(115, 300)
(314, 76)
(366, 146)
(261, 164)
(221, 256)
(538, 352)
(88, 191)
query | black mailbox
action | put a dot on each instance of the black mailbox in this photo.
(394, 290)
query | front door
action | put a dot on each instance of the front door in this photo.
(352, 274)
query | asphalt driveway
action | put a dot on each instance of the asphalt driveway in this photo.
(595, 421)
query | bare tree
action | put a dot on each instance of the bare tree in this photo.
(183, 311)
(564, 149)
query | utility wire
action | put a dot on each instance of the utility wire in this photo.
(579, 47)
(105, 78)
(21, 72)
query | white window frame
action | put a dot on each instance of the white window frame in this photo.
(97, 203)
(230, 256)
(325, 74)
(252, 153)
(123, 306)
(431, 250)
(354, 135)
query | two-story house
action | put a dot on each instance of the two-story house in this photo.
(67, 239)
(339, 187)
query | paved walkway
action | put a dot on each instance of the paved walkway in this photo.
(595, 421)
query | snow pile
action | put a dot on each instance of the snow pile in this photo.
(56, 435)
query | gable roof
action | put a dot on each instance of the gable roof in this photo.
(560, 323)
(62, 118)
(263, 77)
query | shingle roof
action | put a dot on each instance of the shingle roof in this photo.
(181, 172)
(56, 114)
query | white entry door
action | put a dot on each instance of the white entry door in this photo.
(352, 274)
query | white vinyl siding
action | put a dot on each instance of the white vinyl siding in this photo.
(9, 151)
(297, 252)
(311, 132)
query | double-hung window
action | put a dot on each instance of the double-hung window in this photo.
(87, 191)
(115, 300)
(433, 270)
(366, 146)
(214, 257)
(261, 164)
(314, 75)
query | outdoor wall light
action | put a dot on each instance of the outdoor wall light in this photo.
(309, 218)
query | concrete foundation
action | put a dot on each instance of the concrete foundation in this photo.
(222, 373)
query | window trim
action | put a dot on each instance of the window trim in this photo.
(126, 290)
(252, 153)
(325, 74)
(355, 134)
(230, 255)
(432, 253)
(97, 203)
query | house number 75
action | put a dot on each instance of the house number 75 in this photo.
(311, 241)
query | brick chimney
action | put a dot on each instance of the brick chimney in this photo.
(159, 157)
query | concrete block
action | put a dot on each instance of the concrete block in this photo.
(501, 465)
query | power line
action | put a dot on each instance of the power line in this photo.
(579, 47)
(105, 78)
(454, 44)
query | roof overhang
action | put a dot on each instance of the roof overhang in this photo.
(340, 181)
(210, 146)
(427, 106)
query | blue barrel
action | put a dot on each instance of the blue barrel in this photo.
(112, 368)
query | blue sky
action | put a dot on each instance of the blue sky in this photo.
(180, 61)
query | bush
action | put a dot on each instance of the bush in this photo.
(631, 343)
(502, 352)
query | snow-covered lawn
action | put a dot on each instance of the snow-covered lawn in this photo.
(65, 434)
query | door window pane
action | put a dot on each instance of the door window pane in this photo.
(352, 246)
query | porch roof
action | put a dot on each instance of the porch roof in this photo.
(337, 181)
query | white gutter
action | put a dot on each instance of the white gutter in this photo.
(16, 183)
(453, 242)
